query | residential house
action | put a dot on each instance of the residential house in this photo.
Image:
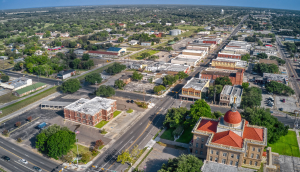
(38, 52)
(65, 35)
(133, 42)
(125, 78)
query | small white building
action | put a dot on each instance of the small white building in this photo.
(66, 74)
(133, 42)
(17, 83)
(146, 44)
(38, 52)
(168, 24)
(3, 57)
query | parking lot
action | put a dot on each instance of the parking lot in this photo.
(163, 56)
(140, 87)
(289, 105)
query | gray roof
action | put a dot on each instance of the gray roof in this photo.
(236, 90)
(18, 82)
(275, 77)
(55, 103)
(92, 106)
(196, 83)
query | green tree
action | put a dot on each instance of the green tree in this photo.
(199, 109)
(175, 117)
(125, 157)
(115, 68)
(85, 57)
(262, 56)
(93, 78)
(263, 117)
(169, 79)
(4, 78)
(41, 142)
(105, 91)
(251, 97)
(279, 88)
(182, 75)
(245, 57)
(145, 55)
(212, 89)
(70, 86)
(184, 163)
(265, 68)
(168, 49)
(60, 143)
(157, 89)
(121, 39)
(245, 85)
(119, 84)
(137, 76)
(75, 63)
(176, 39)
(223, 81)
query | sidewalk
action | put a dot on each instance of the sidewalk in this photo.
(28, 107)
(298, 137)
(25, 97)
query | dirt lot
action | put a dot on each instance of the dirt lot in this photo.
(163, 56)
(140, 87)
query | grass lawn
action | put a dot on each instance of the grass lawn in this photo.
(168, 135)
(82, 150)
(101, 124)
(133, 49)
(287, 145)
(137, 56)
(116, 113)
(4, 64)
(188, 27)
(186, 136)
(18, 105)
(129, 111)
(7, 98)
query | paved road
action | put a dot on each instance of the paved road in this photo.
(16, 152)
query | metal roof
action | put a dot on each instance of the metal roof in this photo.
(196, 83)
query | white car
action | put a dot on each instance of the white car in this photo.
(23, 161)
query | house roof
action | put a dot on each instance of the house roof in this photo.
(208, 125)
(253, 133)
(114, 49)
(30, 87)
(65, 72)
(228, 138)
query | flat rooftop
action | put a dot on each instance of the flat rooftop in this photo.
(217, 71)
(193, 51)
(92, 106)
(236, 90)
(18, 82)
(196, 83)
(275, 77)
(176, 67)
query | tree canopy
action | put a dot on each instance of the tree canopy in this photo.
(251, 97)
(175, 117)
(157, 89)
(265, 68)
(119, 84)
(137, 76)
(262, 56)
(223, 81)
(115, 68)
(279, 88)
(105, 91)
(70, 86)
(263, 117)
(183, 163)
(4, 78)
(199, 109)
(93, 78)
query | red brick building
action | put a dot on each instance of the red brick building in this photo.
(230, 56)
(158, 35)
(235, 76)
(90, 112)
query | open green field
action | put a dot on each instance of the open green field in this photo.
(7, 98)
(186, 136)
(18, 105)
(287, 145)
(168, 134)
(133, 49)
(102, 123)
(188, 27)
(83, 150)
(137, 56)
(4, 64)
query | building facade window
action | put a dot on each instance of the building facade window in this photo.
(237, 156)
(225, 154)
(231, 162)
(257, 156)
(202, 139)
(216, 159)
(210, 158)
(255, 163)
(196, 152)
(250, 163)
(201, 145)
(252, 155)
(244, 161)
(197, 138)
(236, 163)
(258, 150)
(253, 149)
(78, 114)
(212, 152)
(217, 152)
(196, 145)
(201, 152)
(232, 155)
(224, 161)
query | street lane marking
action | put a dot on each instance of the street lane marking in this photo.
(26, 155)
(13, 148)
(21, 157)
(24, 166)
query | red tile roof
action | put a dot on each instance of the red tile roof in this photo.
(233, 117)
(228, 138)
(103, 52)
(208, 125)
(265, 154)
(253, 133)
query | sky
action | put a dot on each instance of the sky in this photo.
(278, 4)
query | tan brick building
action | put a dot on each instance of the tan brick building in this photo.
(193, 89)
(229, 140)
(90, 112)
(235, 76)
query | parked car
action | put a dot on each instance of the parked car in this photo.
(271, 112)
(42, 125)
(283, 100)
(23, 161)
(6, 158)
(37, 168)
(128, 101)
(132, 101)
(281, 109)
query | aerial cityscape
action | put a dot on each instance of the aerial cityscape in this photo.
(149, 88)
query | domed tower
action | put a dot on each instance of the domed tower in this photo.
(232, 118)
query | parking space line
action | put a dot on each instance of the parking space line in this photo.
(24, 166)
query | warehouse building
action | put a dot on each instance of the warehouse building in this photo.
(17, 83)
(29, 89)
(186, 60)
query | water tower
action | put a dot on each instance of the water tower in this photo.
(222, 11)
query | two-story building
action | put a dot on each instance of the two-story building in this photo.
(229, 140)
(90, 112)
(235, 76)
(194, 88)
(230, 94)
